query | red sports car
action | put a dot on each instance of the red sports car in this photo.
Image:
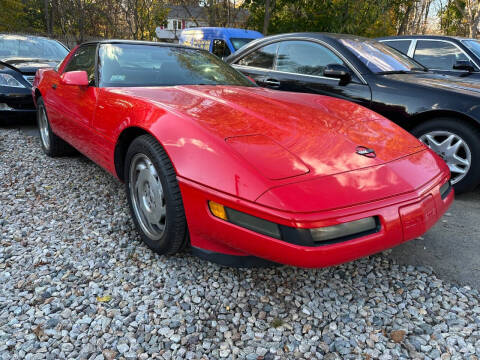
(236, 171)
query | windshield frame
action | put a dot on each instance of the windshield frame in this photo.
(244, 81)
(475, 51)
(352, 44)
(52, 43)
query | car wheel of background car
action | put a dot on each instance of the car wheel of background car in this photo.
(458, 143)
(154, 196)
(52, 145)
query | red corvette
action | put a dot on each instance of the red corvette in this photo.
(212, 161)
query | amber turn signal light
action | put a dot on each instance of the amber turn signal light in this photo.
(217, 210)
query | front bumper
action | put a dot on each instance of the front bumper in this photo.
(16, 102)
(401, 219)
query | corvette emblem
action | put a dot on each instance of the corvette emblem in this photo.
(364, 151)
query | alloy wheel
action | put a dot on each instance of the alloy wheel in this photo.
(452, 149)
(43, 128)
(147, 197)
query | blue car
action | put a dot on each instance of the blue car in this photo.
(219, 41)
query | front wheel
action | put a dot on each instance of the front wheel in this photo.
(154, 196)
(458, 144)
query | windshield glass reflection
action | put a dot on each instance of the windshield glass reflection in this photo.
(380, 58)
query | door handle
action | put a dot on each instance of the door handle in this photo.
(274, 83)
(54, 86)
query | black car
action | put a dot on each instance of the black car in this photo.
(450, 55)
(442, 111)
(20, 57)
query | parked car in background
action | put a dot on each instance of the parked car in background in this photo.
(442, 111)
(302, 180)
(20, 57)
(219, 41)
(448, 55)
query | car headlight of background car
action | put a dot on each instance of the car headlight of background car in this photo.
(9, 80)
(305, 237)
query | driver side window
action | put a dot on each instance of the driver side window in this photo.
(84, 59)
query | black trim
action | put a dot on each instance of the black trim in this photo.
(444, 191)
(236, 261)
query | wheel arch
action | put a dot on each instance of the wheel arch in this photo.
(124, 140)
(417, 119)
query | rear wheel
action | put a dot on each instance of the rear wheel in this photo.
(52, 145)
(154, 196)
(458, 144)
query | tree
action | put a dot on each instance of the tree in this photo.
(11, 18)
(470, 10)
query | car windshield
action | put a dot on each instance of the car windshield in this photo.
(381, 58)
(131, 65)
(19, 46)
(239, 42)
(473, 46)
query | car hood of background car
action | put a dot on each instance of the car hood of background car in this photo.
(27, 65)
(465, 85)
(285, 134)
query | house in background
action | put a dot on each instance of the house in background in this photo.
(184, 17)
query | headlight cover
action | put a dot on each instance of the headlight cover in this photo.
(344, 230)
(10, 81)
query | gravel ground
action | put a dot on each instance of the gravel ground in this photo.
(76, 282)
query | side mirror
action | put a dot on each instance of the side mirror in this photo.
(463, 65)
(78, 78)
(338, 71)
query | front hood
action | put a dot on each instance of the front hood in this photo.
(28, 65)
(465, 85)
(286, 134)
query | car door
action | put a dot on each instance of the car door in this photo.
(258, 63)
(440, 56)
(300, 65)
(78, 102)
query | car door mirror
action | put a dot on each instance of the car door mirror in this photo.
(463, 65)
(78, 78)
(338, 71)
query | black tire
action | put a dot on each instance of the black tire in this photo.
(175, 233)
(56, 146)
(471, 137)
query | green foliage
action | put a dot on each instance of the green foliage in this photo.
(361, 17)
(11, 18)
(452, 21)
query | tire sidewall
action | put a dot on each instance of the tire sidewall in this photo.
(469, 134)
